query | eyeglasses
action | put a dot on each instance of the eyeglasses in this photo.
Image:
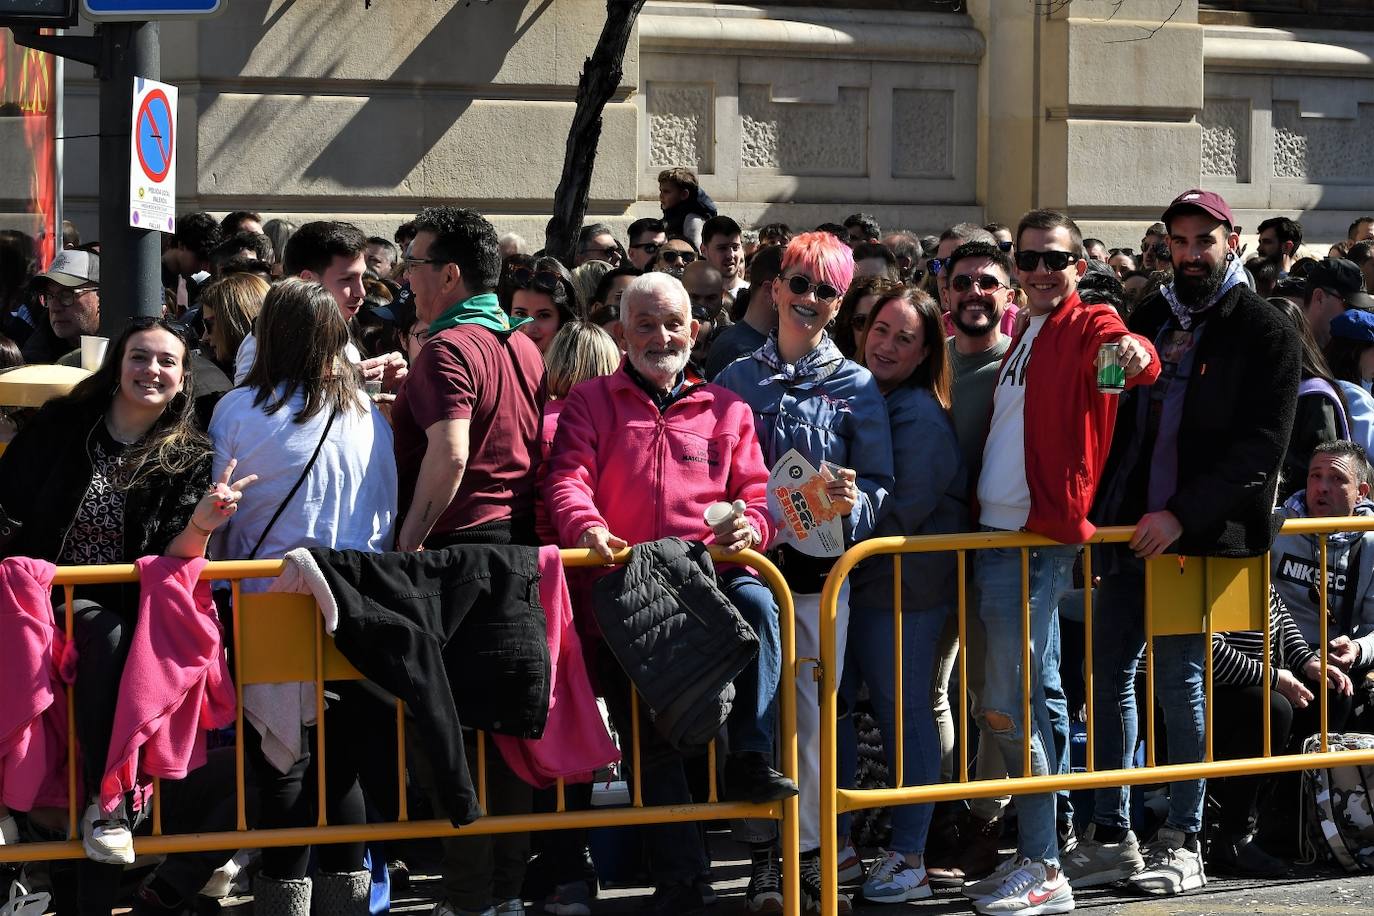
(935, 265)
(672, 257)
(962, 283)
(1005, 246)
(408, 261)
(1162, 250)
(607, 253)
(703, 312)
(67, 297)
(917, 275)
(800, 286)
(526, 277)
(1054, 260)
(650, 248)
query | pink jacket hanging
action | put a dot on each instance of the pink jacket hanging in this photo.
(175, 685)
(33, 698)
(575, 740)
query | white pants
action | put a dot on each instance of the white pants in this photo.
(808, 629)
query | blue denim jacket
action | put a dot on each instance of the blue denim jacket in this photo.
(829, 409)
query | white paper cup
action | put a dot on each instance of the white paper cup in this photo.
(717, 513)
(93, 351)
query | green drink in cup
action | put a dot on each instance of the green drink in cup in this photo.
(1111, 375)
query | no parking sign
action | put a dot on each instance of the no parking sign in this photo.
(152, 158)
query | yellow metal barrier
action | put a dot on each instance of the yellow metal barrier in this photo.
(1182, 595)
(271, 633)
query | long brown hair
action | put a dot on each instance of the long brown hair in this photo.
(843, 335)
(933, 373)
(301, 338)
(236, 299)
(174, 445)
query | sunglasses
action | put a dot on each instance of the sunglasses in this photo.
(1005, 246)
(1054, 260)
(526, 277)
(650, 248)
(800, 286)
(673, 257)
(962, 283)
(704, 313)
(917, 275)
(608, 253)
(935, 265)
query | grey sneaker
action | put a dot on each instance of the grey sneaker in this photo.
(1170, 866)
(976, 890)
(1092, 863)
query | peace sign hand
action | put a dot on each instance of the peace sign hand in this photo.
(222, 500)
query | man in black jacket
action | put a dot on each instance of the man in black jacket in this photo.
(1194, 467)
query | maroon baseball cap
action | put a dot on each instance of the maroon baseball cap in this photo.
(1208, 202)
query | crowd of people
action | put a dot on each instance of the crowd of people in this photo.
(310, 386)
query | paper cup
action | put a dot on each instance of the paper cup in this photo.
(93, 351)
(717, 513)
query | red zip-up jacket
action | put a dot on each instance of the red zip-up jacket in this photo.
(1068, 422)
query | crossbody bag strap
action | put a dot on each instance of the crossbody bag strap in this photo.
(280, 509)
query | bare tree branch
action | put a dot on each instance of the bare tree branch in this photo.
(1152, 32)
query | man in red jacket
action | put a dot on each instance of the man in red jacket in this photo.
(1046, 445)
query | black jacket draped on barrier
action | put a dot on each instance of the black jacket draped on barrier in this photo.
(459, 634)
(677, 636)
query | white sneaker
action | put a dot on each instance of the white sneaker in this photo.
(984, 886)
(1091, 863)
(851, 867)
(893, 880)
(107, 838)
(1029, 891)
(1170, 866)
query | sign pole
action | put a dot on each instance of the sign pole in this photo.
(130, 259)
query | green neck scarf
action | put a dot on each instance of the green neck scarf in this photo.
(482, 309)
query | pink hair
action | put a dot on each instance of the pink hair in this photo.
(823, 256)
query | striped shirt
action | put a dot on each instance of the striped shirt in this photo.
(1238, 655)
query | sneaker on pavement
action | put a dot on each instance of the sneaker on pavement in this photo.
(1170, 866)
(571, 899)
(851, 867)
(764, 893)
(1029, 891)
(893, 880)
(984, 886)
(107, 838)
(1089, 862)
(811, 888)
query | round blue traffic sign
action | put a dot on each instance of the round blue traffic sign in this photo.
(153, 129)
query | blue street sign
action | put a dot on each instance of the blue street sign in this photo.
(148, 9)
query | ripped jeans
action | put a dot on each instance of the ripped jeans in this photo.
(1000, 708)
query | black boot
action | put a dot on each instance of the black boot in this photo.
(1239, 854)
(748, 777)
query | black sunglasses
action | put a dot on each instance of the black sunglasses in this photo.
(962, 283)
(650, 248)
(917, 275)
(526, 277)
(800, 286)
(672, 256)
(935, 265)
(1005, 246)
(1054, 260)
(704, 313)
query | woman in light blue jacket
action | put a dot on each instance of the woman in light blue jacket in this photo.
(806, 396)
(903, 346)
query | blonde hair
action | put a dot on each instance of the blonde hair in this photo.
(236, 299)
(579, 351)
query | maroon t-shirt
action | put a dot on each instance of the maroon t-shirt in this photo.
(496, 382)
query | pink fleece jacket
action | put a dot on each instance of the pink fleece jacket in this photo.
(33, 698)
(575, 742)
(617, 462)
(175, 685)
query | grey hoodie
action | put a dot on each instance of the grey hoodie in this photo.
(1350, 580)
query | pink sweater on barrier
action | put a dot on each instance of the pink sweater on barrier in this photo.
(175, 685)
(33, 698)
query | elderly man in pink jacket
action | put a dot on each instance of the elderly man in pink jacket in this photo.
(640, 455)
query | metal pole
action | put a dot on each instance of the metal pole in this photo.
(130, 259)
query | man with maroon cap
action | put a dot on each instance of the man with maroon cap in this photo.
(1193, 467)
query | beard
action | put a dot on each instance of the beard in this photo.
(660, 368)
(1195, 291)
(956, 318)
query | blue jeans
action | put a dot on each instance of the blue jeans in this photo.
(750, 725)
(998, 577)
(1118, 643)
(869, 660)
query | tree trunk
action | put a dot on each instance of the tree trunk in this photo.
(601, 74)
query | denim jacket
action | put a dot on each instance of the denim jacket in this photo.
(829, 409)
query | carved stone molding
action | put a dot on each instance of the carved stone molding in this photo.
(679, 125)
(804, 139)
(1226, 139)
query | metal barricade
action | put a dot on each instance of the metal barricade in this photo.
(1225, 595)
(279, 637)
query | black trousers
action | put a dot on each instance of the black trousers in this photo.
(1238, 731)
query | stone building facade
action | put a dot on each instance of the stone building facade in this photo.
(923, 112)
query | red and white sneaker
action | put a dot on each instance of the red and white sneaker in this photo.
(1029, 891)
